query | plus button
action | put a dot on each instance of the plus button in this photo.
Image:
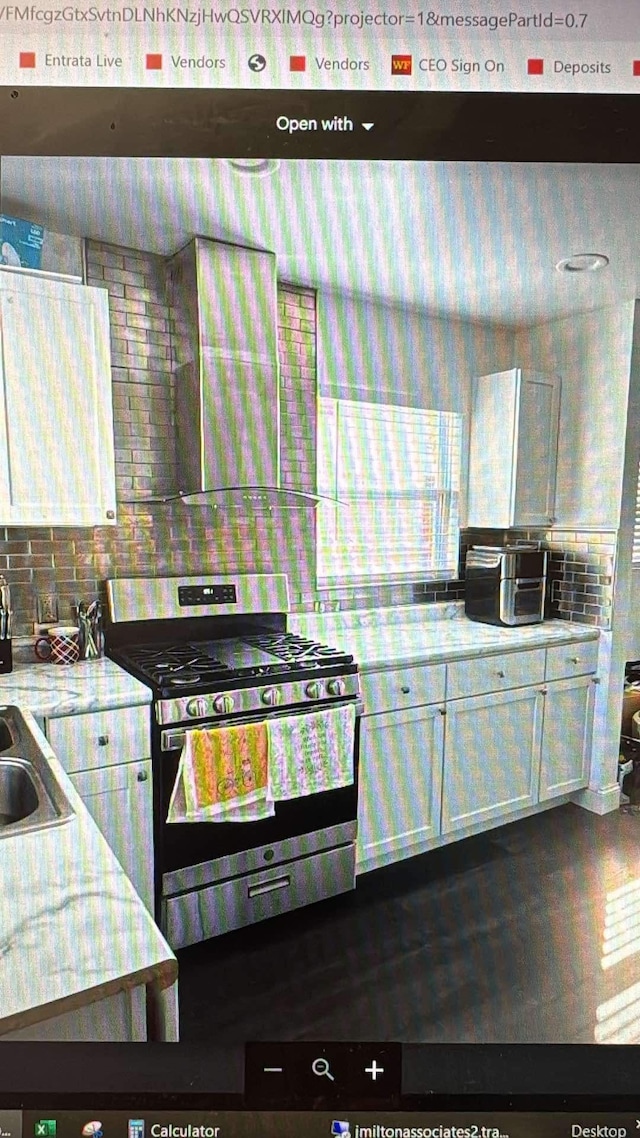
(374, 1070)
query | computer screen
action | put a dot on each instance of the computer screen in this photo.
(319, 451)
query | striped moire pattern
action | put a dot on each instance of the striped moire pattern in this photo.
(172, 538)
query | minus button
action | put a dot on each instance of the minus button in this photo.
(279, 1070)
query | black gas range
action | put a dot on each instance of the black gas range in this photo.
(217, 652)
(215, 673)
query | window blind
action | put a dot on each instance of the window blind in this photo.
(395, 471)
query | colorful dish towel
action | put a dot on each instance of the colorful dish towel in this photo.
(223, 776)
(311, 753)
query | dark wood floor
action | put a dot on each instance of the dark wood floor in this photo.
(495, 939)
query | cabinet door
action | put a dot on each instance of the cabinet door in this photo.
(513, 449)
(492, 756)
(566, 736)
(120, 801)
(400, 784)
(536, 449)
(492, 444)
(56, 423)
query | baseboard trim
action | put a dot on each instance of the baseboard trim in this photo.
(600, 800)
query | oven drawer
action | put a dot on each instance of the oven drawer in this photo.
(241, 901)
(99, 739)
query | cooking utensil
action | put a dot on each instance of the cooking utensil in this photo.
(6, 654)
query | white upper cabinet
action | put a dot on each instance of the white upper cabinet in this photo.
(513, 449)
(56, 422)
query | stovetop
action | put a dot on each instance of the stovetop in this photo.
(218, 665)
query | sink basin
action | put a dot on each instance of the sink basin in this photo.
(30, 796)
(18, 794)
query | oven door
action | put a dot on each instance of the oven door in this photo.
(186, 852)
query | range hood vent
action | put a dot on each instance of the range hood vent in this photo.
(243, 497)
(224, 306)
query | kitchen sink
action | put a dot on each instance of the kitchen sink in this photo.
(30, 797)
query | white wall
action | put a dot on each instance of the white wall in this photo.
(592, 354)
(386, 353)
(369, 350)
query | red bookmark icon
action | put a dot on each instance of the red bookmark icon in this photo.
(27, 58)
(154, 62)
(535, 66)
(297, 63)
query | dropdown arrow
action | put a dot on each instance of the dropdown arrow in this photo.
(368, 125)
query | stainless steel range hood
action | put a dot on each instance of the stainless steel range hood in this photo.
(224, 310)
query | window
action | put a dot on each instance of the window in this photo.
(395, 472)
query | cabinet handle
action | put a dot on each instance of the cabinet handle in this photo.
(500, 674)
(442, 710)
(596, 680)
(575, 659)
(142, 776)
(111, 514)
(405, 690)
(103, 740)
(544, 691)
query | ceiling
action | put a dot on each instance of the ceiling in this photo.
(478, 241)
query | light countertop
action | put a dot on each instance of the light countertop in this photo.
(50, 690)
(72, 927)
(411, 634)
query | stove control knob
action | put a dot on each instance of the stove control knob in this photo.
(336, 687)
(271, 696)
(313, 690)
(197, 707)
(224, 704)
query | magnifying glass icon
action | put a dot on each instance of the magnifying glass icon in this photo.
(321, 1067)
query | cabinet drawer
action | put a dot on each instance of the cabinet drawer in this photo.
(572, 660)
(402, 687)
(100, 738)
(495, 673)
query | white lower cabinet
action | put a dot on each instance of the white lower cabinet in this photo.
(120, 801)
(492, 749)
(566, 736)
(105, 754)
(476, 759)
(401, 755)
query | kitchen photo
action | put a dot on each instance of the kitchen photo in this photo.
(319, 630)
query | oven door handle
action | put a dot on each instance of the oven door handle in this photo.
(175, 740)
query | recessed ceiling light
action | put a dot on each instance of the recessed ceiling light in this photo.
(583, 263)
(254, 166)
